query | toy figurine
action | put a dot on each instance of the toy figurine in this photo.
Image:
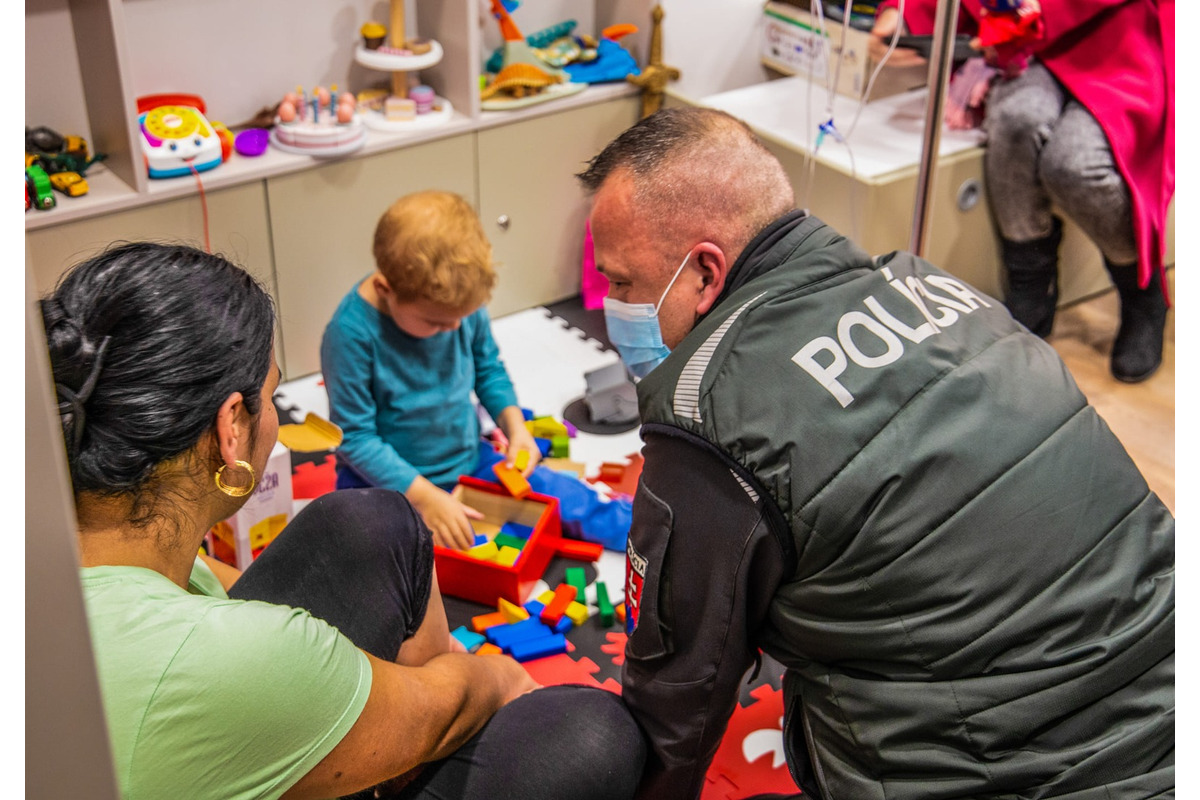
(1007, 32)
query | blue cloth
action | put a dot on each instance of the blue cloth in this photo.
(404, 404)
(585, 513)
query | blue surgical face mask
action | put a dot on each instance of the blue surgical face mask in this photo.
(634, 330)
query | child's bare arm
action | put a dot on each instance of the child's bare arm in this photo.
(447, 518)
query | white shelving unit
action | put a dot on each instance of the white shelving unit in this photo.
(241, 58)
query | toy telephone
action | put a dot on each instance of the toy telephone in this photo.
(176, 137)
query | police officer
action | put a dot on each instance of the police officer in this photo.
(867, 470)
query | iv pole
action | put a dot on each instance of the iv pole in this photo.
(940, 63)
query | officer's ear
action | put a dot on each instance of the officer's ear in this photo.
(714, 268)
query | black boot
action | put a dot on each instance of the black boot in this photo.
(1032, 269)
(1137, 350)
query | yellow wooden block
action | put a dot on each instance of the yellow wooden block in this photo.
(545, 597)
(485, 552)
(511, 611)
(508, 556)
(577, 612)
(522, 460)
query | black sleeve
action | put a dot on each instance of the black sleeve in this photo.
(703, 565)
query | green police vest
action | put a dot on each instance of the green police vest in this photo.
(982, 602)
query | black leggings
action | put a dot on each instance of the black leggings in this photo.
(362, 560)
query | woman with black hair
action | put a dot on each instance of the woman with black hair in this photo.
(325, 668)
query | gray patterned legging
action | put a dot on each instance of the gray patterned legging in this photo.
(1045, 148)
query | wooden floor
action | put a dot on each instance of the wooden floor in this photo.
(1142, 414)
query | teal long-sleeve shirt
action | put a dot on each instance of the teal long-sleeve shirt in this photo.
(404, 404)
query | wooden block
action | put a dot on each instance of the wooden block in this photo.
(564, 595)
(487, 648)
(529, 649)
(575, 577)
(503, 540)
(507, 556)
(605, 606)
(521, 461)
(511, 611)
(578, 612)
(512, 480)
(485, 552)
(484, 621)
(579, 550)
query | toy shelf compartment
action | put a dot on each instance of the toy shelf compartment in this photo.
(109, 52)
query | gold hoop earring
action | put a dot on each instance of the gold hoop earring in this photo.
(236, 491)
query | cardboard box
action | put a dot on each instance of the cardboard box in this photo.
(793, 44)
(238, 540)
(486, 582)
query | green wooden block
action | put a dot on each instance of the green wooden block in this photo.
(508, 540)
(560, 446)
(576, 577)
(607, 615)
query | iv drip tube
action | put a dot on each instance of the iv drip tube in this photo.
(940, 64)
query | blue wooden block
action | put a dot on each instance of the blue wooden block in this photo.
(468, 638)
(529, 649)
(534, 607)
(480, 539)
(526, 413)
(544, 445)
(503, 636)
(517, 530)
(564, 624)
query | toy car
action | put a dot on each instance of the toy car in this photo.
(71, 184)
(39, 187)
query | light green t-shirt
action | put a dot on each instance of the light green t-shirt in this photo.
(208, 697)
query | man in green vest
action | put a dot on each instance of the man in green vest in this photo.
(866, 469)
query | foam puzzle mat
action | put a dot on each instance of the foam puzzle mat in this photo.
(547, 358)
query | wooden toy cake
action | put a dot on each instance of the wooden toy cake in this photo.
(323, 123)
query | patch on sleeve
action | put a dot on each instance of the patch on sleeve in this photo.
(635, 576)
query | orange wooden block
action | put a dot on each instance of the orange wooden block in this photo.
(487, 648)
(620, 612)
(564, 595)
(484, 621)
(512, 479)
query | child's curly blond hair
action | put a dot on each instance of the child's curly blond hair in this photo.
(430, 247)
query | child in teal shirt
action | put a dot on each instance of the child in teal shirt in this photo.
(404, 352)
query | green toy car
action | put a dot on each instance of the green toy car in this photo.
(40, 191)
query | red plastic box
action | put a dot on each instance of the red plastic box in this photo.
(460, 575)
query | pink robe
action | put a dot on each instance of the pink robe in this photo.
(1117, 57)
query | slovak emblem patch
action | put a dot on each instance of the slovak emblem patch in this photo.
(635, 576)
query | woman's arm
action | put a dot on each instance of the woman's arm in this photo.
(414, 715)
(225, 573)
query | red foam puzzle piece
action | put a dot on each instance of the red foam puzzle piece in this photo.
(310, 481)
(615, 647)
(751, 754)
(562, 669)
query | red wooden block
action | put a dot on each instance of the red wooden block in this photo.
(564, 595)
(579, 550)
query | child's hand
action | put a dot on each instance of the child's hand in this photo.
(512, 422)
(522, 441)
(447, 518)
